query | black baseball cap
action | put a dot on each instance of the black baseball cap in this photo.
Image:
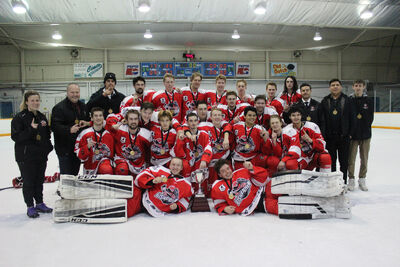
(110, 75)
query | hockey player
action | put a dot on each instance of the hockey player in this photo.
(166, 190)
(220, 133)
(313, 152)
(163, 139)
(132, 145)
(192, 94)
(139, 96)
(239, 191)
(263, 112)
(231, 111)
(290, 95)
(219, 96)
(250, 140)
(169, 99)
(241, 87)
(273, 101)
(196, 151)
(95, 146)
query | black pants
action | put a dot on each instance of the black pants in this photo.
(32, 173)
(339, 146)
(69, 164)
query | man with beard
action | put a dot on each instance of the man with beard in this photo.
(166, 190)
(132, 145)
(169, 99)
(263, 112)
(95, 146)
(231, 111)
(139, 96)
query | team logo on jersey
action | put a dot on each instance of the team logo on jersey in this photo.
(130, 153)
(157, 148)
(245, 145)
(173, 107)
(365, 106)
(195, 154)
(312, 108)
(217, 147)
(222, 188)
(100, 151)
(185, 98)
(168, 195)
(122, 140)
(240, 189)
(162, 100)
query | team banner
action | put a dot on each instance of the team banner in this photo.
(88, 70)
(132, 69)
(283, 69)
(242, 69)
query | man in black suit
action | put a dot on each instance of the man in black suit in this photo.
(309, 106)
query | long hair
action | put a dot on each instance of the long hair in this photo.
(27, 94)
(295, 86)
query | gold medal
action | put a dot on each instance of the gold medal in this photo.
(38, 137)
(231, 196)
(110, 111)
(196, 154)
(96, 151)
(218, 147)
(132, 152)
(76, 121)
(165, 179)
(247, 146)
(334, 112)
(162, 151)
(308, 118)
(359, 116)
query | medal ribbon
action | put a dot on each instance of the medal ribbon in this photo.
(233, 114)
(130, 139)
(245, 132)
(218, 136)
(162, 137)
(169, 100)
(95, 137)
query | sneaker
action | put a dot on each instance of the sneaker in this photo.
(351, 184)
(362, 185)
(32, 212)
(43, 208)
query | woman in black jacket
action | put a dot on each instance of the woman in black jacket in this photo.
(31, 134)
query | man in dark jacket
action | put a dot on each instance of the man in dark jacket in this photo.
(308, 105)
(362, 119)
(107, 97)
(335, 123)
(68, 118)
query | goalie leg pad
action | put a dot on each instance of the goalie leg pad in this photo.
(306, 207)
(95, 186)
(90, 211)
(308, 183)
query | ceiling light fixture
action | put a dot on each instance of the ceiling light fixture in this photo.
(148, 34)
(366, 14)
(261, 8)
(235, 34)
(144, 6)
(19, 6)
(317, 37)
(56, 36)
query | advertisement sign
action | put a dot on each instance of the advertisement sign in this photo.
(283, 69)
(242, 69)
(88, 70)
(132, 69)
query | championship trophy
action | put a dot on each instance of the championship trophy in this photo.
(200, 202)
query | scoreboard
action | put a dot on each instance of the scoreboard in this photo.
(156, 69)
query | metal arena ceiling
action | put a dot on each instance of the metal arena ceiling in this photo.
(197, 24)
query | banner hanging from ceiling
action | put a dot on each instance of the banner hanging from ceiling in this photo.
(283, 69)
(88, 70)
(132, 69)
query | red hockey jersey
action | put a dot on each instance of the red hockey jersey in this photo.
(228, 115)
(248, 141)
(158, 197)
(243, 191)
(249, 100)
(161, 145)
(133, 149)
(214, 99)
(132, 101)
(290, 99)
(262, 119)
(169, 101)
(276, 103)
(216, 139)
(103, 149)
(189, 99)
(290, 144)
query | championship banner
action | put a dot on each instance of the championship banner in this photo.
(88, 70)
(132, 69)
(283, 69)
(242, 69)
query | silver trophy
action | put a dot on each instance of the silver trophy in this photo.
(200, 202)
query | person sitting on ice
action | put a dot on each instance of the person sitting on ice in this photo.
(238, 191)
(313, 152)
(95, 146)
(166, 190)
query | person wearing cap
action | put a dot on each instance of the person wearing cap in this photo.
(107, 97)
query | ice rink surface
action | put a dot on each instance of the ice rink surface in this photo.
(370, 238)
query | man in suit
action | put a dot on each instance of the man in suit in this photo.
(309, 106)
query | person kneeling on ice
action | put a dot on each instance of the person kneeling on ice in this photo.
(166, 190)
(239, 191)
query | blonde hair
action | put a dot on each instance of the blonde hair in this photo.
(165, 113)
(168, 75)
(220, 77)
(241, 81)
(27, 94)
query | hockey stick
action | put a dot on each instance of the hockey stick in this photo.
(4, 188)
